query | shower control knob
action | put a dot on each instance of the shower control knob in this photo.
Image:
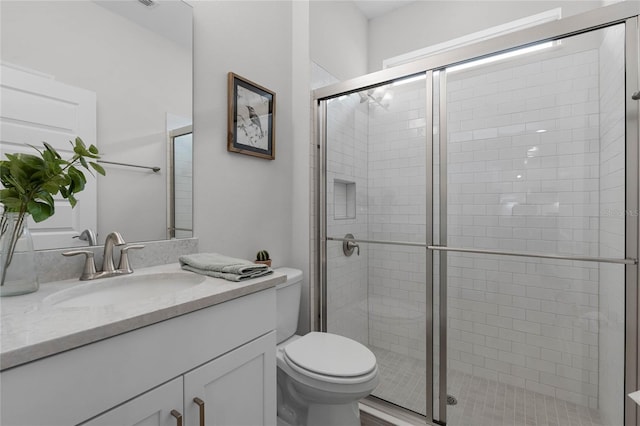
(349, 244)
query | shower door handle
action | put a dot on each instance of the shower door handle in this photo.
(636, 96)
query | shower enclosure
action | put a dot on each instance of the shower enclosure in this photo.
(478, 226)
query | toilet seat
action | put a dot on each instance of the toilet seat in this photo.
(331, 358)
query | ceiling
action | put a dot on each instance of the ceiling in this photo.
(374, 8)
(166, 18)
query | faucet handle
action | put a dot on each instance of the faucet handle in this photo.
(87, 235)
(89, 270)
(124, 265)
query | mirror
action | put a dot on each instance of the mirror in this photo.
(136, 57)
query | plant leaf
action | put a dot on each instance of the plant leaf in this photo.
(52, 150)
(80, 148)
(98, 168)
(47, 198)
(30, 181)
(72, 200)
(39, 211)
(78, 180)
(10, 198)
(50, 187)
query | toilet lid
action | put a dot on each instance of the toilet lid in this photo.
(331, 355)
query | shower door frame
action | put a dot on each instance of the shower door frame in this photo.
(621, 13)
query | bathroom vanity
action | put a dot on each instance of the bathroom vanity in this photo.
(176, 358)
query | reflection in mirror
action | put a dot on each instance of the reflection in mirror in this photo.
(181, 186)
(119, 75)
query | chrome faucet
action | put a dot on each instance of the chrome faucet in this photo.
(108, 268)
(87, 235)
(113, 239)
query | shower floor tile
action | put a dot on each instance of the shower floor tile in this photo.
(481, 402)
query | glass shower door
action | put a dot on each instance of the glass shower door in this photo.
(480, 229)
(533, 155)
(181, 183)
(376, 192)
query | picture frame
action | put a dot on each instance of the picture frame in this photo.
(251, 118)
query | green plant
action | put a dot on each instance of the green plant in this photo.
(31, 181)
(262, 255)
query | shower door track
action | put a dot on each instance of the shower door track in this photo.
(494, 252)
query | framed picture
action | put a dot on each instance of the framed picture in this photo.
(252, 115)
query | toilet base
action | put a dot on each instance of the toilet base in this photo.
(323, 415)
(281, 422)
(344, 415)
(296, 410)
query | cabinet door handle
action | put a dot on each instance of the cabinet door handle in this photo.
(201, 405)
(178, 416)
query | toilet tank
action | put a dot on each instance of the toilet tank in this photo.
(288, 303)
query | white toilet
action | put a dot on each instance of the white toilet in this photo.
(321, 376)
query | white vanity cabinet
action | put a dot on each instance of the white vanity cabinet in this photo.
(223, 354)
(154, 408)
(237, 389)
(229, 390)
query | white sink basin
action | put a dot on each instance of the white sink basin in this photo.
(124, 289)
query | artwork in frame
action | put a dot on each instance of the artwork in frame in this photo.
(252, 114)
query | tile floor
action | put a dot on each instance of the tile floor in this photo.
(481, 402)
(367, 419)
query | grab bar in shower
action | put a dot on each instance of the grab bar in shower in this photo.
(494, 252)
(154, 168)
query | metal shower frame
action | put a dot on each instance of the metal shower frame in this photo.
(621, 13)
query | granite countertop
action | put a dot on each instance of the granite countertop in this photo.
(33, 327)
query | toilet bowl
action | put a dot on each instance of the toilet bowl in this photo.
(321, 376)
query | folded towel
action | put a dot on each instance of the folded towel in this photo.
(227, 276)
(219, 266)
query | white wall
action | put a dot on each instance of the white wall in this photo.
(303, 164)
(242, 204)
(425, 23)
(338, 38)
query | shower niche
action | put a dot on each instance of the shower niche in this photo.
(344, 199)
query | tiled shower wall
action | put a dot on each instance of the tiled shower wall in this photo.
(523, 176)
(183, 162)
(397, 212)
(347, 312)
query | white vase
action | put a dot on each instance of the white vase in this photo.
(18, 273)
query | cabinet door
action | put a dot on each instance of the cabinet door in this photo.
(238, 388)
(152, 408)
